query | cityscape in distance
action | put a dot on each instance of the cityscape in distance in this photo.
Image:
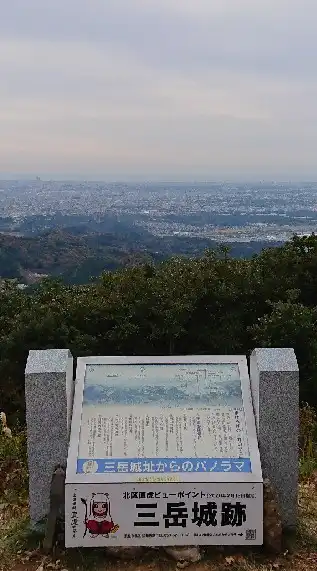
(54, 227)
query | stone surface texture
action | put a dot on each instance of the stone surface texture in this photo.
(48, 395)
(275, 391)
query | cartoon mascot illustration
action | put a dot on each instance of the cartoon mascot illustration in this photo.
(99, 521)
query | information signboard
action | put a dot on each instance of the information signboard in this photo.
(163, 451)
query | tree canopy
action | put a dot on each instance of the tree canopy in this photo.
(215, 304)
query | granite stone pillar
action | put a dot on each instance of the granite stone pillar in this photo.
(49, 388)
(275, 391)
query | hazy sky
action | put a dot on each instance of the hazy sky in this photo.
(159, 88)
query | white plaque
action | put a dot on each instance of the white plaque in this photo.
(164, 514)
(181, 428)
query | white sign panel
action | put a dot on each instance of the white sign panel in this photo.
(164, 514)
(172, 416)
(176, 423)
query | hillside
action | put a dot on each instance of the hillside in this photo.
(77, 253)
(57, 253)
(213, 304)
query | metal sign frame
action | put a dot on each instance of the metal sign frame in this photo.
(72, 477)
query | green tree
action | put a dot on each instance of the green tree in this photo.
(293, 325)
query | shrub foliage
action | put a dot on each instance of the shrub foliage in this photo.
(212, 305)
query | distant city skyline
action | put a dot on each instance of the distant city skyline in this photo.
(142, 179)
(158, 90)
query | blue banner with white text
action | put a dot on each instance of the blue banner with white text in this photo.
(161, 465)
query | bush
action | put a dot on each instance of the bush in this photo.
(13, 464)
(212, 305)
(308, 441)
